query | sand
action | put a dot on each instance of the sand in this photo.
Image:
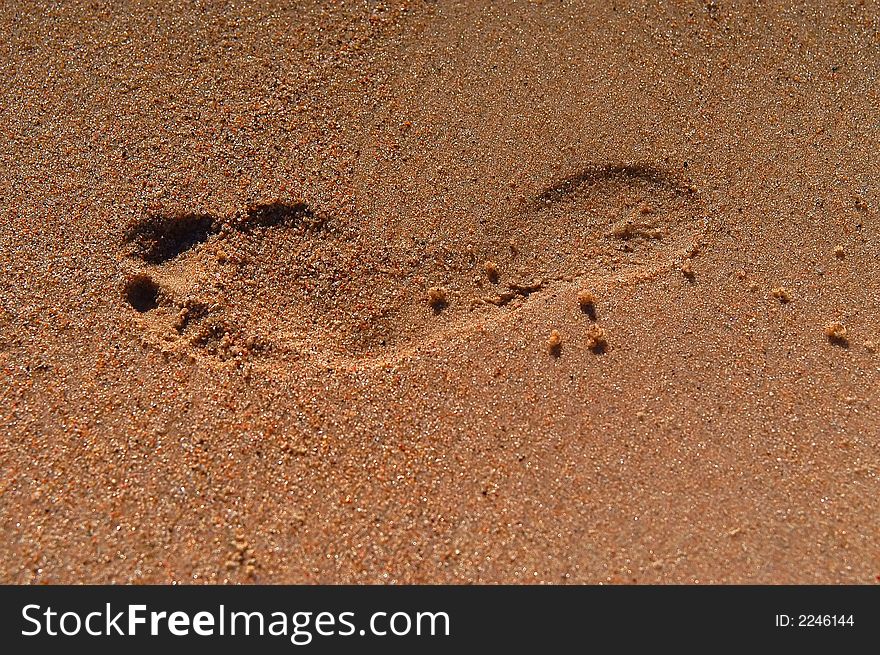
(294, 292)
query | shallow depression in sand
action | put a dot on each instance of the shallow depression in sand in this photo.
(277, 279)
(609, 219)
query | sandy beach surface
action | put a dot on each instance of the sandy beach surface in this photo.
(439, 292)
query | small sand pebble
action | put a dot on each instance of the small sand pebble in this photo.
(491, 269)
(836, 332)
(870, 346)
(587, 300)
(596, 338)
(687, 269)
(781, 294)
(437, 297)
(839, 252)
(554, 343)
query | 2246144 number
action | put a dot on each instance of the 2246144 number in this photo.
(815, 620)
(825, 620)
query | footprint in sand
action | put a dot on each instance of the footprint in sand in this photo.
(278, 279)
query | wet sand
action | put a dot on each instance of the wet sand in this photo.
(437, 292)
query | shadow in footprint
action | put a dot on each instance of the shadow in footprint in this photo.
(594, 173)
(278, 214)
(158, 239)
(142, 293)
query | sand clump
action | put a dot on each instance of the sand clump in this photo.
(835, 332)
(587, 302)
(781, 294)
(554, 343)
(596, 338)
(687, 269)
(586, 299)
(491, 269)
(438, 297)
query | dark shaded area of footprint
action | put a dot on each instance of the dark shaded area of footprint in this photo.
(158, 239)
(163, 237)
(278, 214)
(596, 173)
(142, 293)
